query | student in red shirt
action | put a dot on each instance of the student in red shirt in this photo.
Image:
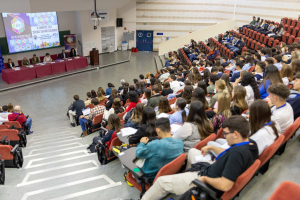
(18, 116)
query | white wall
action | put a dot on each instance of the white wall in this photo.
(78, 32)
(128, 13)
(91, 35)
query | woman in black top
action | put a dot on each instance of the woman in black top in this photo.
(239, 104)
(10, 64)
(167, 90)
(114, 94)
(72, 52)
(147, 128)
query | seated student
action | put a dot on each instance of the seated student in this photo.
(25, 62)
(256, 58)
(228, 40)
(286, 74)
(199, 95)
(18, 116)
(270, 28)
(220, 174)
(196, 127)
(35, 59)
(101, 98)
(88, 99)
(225, 62)
(97, 110)
(213, 54)
(211, 81)
(269, 61)
(147, 126)
(108, 90)
(187, 95)
(252, 91)
(277, 63)
(133, 100)
(163, 106)
(165, 75)
(232, 64)
(237, 72)
(72, 53)
(229, 87)
(47, 58)
(180, 78)
(295, 102)
(116, 109)
(262, 54)
(4, 114)
(158, 84)
(114, 124)
(158, 153)
(10, 64)
(134, 120)
(220, 87)
(282, 112)
(249, 63)
(239, 104)
(146, 96)
(220, 72)
(272, 76)
(296, 66)
(153, 101)
(180, 111)
(222, 112)
(236, 41)
(167, 90)
(76, 109)
(239, 46)
(259, 68)
(140, 87)
(142, 78)
(63, 55)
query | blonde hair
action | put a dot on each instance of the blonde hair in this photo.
(221, 85)
(239, 98)
(224, 101)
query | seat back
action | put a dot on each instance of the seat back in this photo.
(42, 58)
(11, 134)
(5, 66)
(15, 123)
(286, 190)
(270, 151)
(4, 127)
(241, 181)
(5, 152)
(172, 101)
(202, 143)
(291, 39)
(54, 57)
(251, 69)
(220, 133)
(121, 115)
(227, 72)
(98, 119)
(172, 167)
(90, 106)
(291, 130)
(19, 62)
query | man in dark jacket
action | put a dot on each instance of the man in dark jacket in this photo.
(153, 101)
(77, 107)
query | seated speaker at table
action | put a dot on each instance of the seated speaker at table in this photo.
(73, 53)
(25, 62)
(64, 55)
(10, 64)
(35, 59)
(47, 58)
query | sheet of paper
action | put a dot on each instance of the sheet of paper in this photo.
(128, 131)
(175, 128)
(202, 158)
(52, 62)
(86, 111)
(165, 115)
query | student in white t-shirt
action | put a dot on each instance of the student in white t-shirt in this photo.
(282, 112)
(174, 84)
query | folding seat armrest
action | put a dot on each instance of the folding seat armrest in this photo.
(104, 129)
(14, 149)
(211, 191)
(3, 140)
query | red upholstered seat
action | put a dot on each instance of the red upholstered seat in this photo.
(172, 101)
(171, 168)
(291, 130)
(286, 190)
(295, 31)
(54, 57)
(42, 58)
(121, 115)
(19, 62)
(291, 39)
(251, 69)
(15, 123)
(241, 181)
(220, 134)
(202, 143)
(270, 151)
(90, 106)
(11, 134)
(2, 127)
(227, 72)
(5, 152)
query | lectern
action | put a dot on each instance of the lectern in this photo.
(94, 57)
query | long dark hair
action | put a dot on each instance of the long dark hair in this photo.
(272, 74)
(158, 83)
(249, 59)
(206, 73)
(117, 106)
(141, 85)
(198, 116)
(114, 122)
(260, 114)
(149, 118)
(248, 79)
(181, 103)
(197, 75)
(187, 93)
(114, 93)
(199, 95)
(163, 105)
(225, 77)
(202, 84)
(239, 98)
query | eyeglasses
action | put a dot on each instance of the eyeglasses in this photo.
(224, 133)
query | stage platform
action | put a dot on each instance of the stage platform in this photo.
(106, 60)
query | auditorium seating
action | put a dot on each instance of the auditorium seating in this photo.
(54, 57)
(286, 190)
(202, 143)
(14, 136)
(12, 156)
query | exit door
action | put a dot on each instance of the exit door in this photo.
(144, 40)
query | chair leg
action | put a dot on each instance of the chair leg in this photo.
(2, 172)
(281, 149)
(264, 168)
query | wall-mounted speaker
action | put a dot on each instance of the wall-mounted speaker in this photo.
(119, 22)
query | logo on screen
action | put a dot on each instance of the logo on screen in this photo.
(70, 39)
(18, 25)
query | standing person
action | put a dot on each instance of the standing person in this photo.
(97, 110)
(10, 64)
(73, 53)
(25, 62)
(35, 60)
(196, 127)
(63, 55)
(252, 91)
(76, 109)
(18, 116)
(47, 58)
(272, 76)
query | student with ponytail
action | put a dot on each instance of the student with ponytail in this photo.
(181, 112)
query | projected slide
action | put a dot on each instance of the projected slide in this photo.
(31, 31)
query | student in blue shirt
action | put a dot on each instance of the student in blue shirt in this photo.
(236, 73)
(181, 112)
(249, 63)
(108, 90)
(158, 153)
(272, 75)
(277, 63)
(259, 68)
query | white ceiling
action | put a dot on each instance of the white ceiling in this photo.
(23, 6)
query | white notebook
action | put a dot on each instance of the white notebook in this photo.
(162, 115)
(128, 131)
(86, 111)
